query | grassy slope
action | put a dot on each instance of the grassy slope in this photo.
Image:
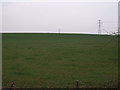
(53, 60)
(0, 60)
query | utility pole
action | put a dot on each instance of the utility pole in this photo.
(59, 30)
(99, 27)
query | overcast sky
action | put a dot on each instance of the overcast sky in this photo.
(77, 17)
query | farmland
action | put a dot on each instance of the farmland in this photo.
(49, 60)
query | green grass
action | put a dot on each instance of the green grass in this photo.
(57, 61)
(0, 60)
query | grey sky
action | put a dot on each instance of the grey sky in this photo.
(0, 17)
(119, 17)
(74, 17)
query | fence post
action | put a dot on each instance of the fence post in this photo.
(77, 83)
(12, 86)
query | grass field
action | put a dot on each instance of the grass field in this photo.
(0, 60)
(58, 60)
